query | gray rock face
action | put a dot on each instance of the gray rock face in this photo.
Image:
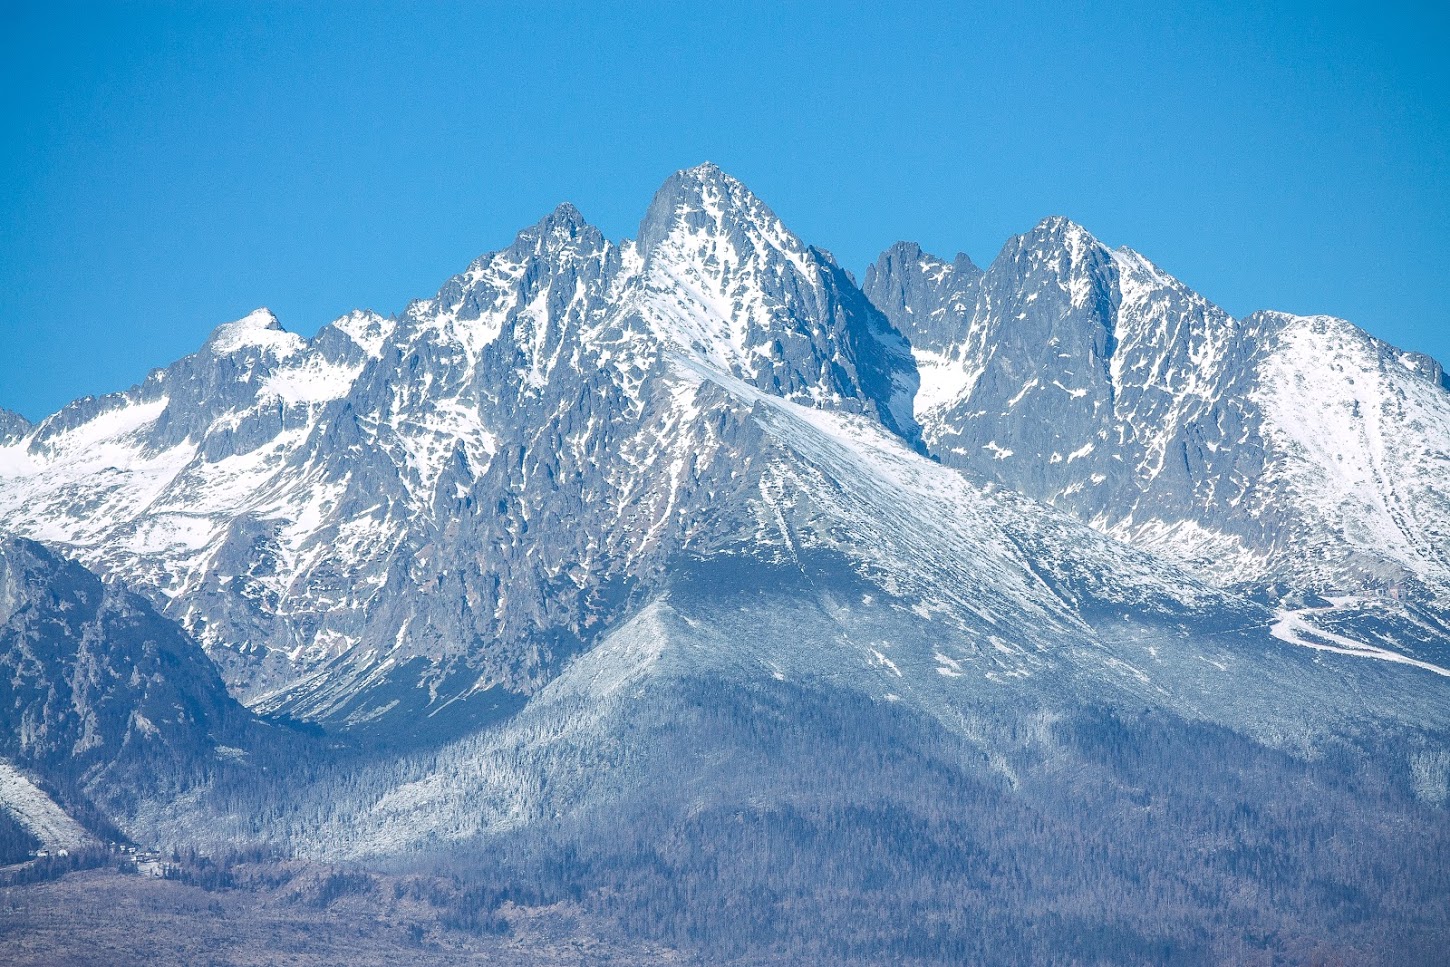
(768, 309)
(450, 502)
(623, 571)
(1274, 452)
(928, 299)
(420, 519)
(100, 692)
(12, 426)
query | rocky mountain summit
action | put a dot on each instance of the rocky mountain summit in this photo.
(405, 512)
(456, 497)
(1277, 454)
(679, 574)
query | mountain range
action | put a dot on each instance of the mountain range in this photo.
(1040, 613)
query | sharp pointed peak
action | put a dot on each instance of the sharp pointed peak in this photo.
(564, 213)
(705, 197)
(562, 228)
(692, 184)
(257, 329)
(707, 171)
(1060, 226)
(12, 425)
(1056, 237)
(564, 222)
(964, 261)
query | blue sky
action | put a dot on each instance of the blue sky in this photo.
(167, 167)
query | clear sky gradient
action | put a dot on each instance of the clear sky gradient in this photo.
(168, 167)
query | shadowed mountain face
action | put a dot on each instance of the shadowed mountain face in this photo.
(623, 570)
(103, 697)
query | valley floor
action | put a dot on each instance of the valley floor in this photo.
(284, 913)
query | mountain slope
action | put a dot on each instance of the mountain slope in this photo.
(894, 670)
(621, 580)
(449, 503)
(855, 595)
(50, 826)
(107, 701)
(422, 518)
(1276, 454)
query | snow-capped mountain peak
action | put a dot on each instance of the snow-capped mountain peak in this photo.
(724, 281)
(929, 299)
(287, 498)
(402, 512)
(259, 330)
(1093, 380)
(702, 202)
